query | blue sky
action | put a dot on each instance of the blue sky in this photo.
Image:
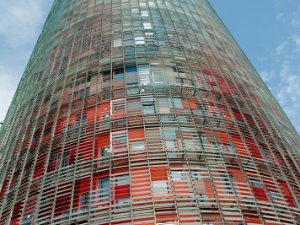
(268, 32)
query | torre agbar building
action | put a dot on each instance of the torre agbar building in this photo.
(145, 112)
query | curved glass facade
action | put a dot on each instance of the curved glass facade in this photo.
(145, 112)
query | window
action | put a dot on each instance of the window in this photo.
(202, 197)
(166, 223)
(159, 187)
(105, 152)
(144, 73)
(274, 196)
(256, 182)
(118, 105)
(228, 148)
(81, 119)
(120, 122)
(119, 76)
(65, 158)
(105, 121)
(84, 201)
(148, 106)
(65, 163)
(44, 200)
(177, 103)
(202, 109)
(27, 219)
(229, 183)
(196, 175)
(139, 40)
(131, 76)
(123, 201)
(119, 142)
(122, 180)
(232, 181)
(177, 175)
(133, 105)
(137, 145)
(135, 11)
(168, 118)
(169, 134)
(170, 143)
(169, 137)
(66, 153)
(47, 131)
(164, 104)
(145, 13)
(147, 26)
(183, 119)
(158, 77)
(117, 43)
(120, 139)
(103, 188)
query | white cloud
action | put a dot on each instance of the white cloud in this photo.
(296, 40)
(266, 75)
(20, 24)
(288, 93)
(280, 48)
(20, 20)
(280, 16)
(8, 85)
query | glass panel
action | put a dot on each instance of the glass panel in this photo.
(177, 175)
(256, 182)
(122, 180)
(138, 145)
(159, 187)
(103, 188)
(177, 103)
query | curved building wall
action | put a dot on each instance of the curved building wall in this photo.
(145, 112)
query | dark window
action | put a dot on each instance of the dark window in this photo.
(84, 201)
(47, 131)
(103, 188)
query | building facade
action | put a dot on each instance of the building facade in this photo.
(145, 112)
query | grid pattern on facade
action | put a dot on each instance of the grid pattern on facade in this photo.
(145, 112)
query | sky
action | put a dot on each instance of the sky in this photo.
(267, 31)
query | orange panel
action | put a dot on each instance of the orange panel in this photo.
(159, 173)
(135, 134)
(222, 136)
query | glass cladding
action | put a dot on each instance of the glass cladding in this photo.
(145, 112)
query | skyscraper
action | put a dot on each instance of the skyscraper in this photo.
(145, 112)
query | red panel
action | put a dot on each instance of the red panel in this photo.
(103, 109)
(238, 115)
(259, 193)
(287, 193)
(122, 191)
(253, 148)
(159, 173)
(15, 222)
(185, 104)
(206, 70)
(90, 114)
(252, 219)
(102, 141)
(137, 133)
(121, 222)
(62, 204)
(193, 103)
(222, 136)
(84, 185)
